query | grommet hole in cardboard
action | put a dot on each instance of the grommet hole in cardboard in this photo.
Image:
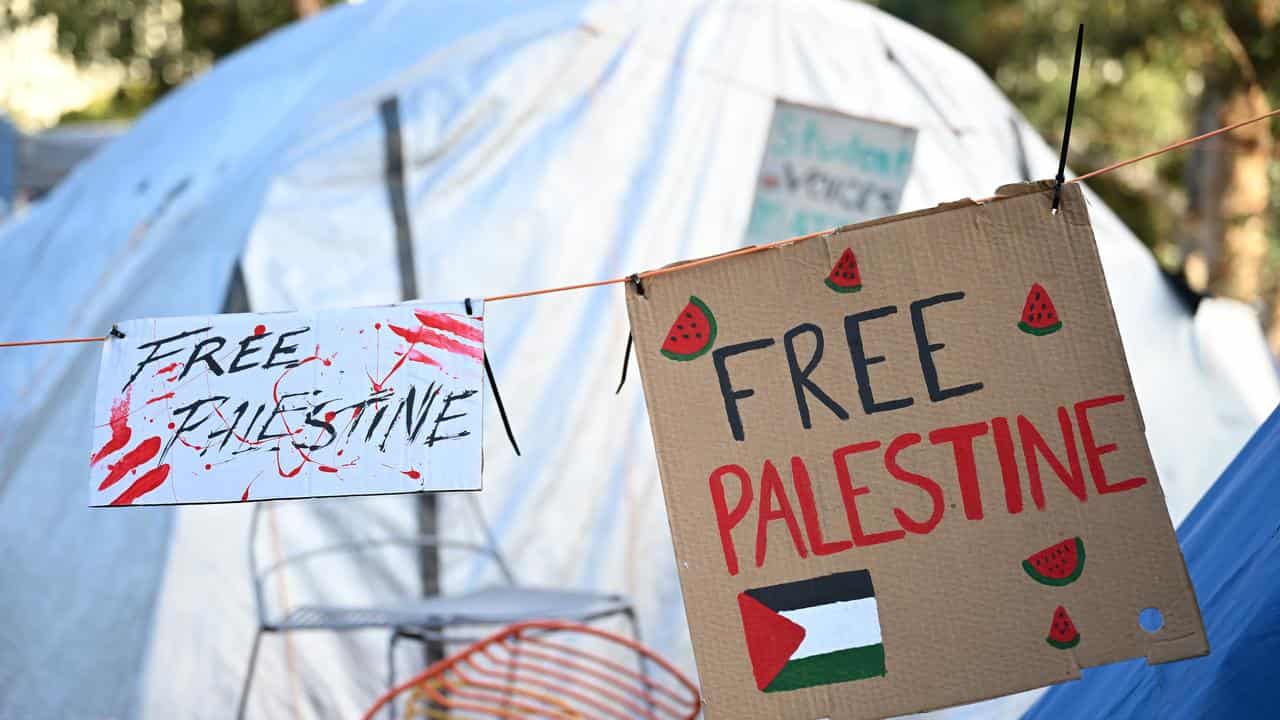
(1151, 620)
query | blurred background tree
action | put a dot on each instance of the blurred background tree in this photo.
(157, 43)
(1153, 73)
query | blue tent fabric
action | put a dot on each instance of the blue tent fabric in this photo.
(1231, 541)
(9, 137)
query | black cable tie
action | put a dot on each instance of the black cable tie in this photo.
(635, 280)
(626, 358)
(116, 332)
(502, 410)
(1060, 178)
(497, 396)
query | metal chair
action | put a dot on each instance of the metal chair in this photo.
(439, 618)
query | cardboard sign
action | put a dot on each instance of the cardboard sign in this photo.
(904, 466)
(822, 169)
(253, 407)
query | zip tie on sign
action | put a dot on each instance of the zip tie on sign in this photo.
(1066, 132)
(497, 396)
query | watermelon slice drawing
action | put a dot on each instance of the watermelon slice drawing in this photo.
(692, 334)
(1039, 316)
(1059, 564)
(844, 276)
(1062, 632)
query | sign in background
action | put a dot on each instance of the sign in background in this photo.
(823, 169)
(230, 408)
(904, 466)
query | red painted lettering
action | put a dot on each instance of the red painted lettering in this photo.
(927, 484)
(770, 489)
(1033, 443)
(961, 439)
(1008, 465)
(727, 519)
(1094, 452)
(849, 494)
(809, 511)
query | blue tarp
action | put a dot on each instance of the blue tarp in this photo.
(1231, 541)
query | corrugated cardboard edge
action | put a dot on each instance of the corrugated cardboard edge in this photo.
(1005, 192)
(633, 298)
(1158, 649)
(1074, 208)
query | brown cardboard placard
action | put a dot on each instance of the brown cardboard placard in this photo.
(904, 466)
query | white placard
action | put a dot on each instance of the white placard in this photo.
(229, 408)
(823, 169)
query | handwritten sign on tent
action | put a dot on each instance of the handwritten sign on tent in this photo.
(822, 169)
(904, 466)
(228, 408)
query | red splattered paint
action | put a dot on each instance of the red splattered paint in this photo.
(275, 395)
(379, 385)
(427, 336)
(328, 469)
(377, 326)
(289, 473)
(339, 453)
(146, 450)
(143, 485)
(260, 330)
(420, 357)
(449, 323)
(158, 398)
(193, 446)
(413, 474)
(172, 426)
(168, 368)
(329, 416)
(245, 496)
(120, 431)
(207, 466)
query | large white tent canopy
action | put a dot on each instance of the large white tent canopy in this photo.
(544, 143)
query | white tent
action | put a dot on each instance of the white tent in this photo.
(544, 143)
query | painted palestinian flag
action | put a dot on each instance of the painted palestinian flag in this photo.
(813, 632)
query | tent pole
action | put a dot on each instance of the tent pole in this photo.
(427, 512)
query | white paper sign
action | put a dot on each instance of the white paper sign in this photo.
(228, 408)
(823, 169)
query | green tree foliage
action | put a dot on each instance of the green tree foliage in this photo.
(1154, 72)
(159, 43)
(1149, 67)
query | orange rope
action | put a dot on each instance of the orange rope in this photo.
(58, 341)
(752, 248)
(1175, 146)
(562, 288)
